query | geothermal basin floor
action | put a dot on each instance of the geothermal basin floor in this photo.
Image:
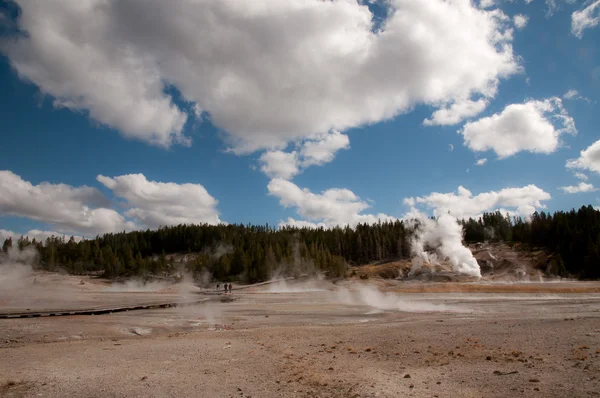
(312, 340)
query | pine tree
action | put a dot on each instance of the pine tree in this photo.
(7, 244)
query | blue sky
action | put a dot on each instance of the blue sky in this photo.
(66, 121)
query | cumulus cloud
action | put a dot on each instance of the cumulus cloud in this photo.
(481, 162)
(586, 18)
(70, 209)
(456, 112)
(280, 164)
(157, 204)
(534, 126)
(71, 55)
(323, 149)
(85, 211)
(589, 159)
(581, 176)
(266, 72)
(581, 187)
(451, 147)
(316, 151)
(519, 201)
(333, 207)
(520, 21)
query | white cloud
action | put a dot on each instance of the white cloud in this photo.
(71, 55)
(409, 202)
(4, 234)
(266, 72)
(520, 201)
(553, 5)
(571, 94)
(85, 211)
(279, 164)
(70, 209)
(481, 162)
(574, 95)
(581, 187)
(532, 126)
(520, 21)
(323, 149)
(157, 204)
(291, 222)
(330, 208)
(581, 176)
(39, 236)
(451, 147)
(586, 18)
(589, 159)
(456, 112)
(317, 151)
(487, 3)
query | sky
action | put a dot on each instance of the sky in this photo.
(118, 116)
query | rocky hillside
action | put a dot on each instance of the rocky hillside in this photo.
(498, 262)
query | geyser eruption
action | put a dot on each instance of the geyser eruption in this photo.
(444, 236)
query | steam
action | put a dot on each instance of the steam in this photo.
(444, 237)
(298, 267)
(284, 287)
(359, 295)
(220, 250)
(186, 287)
(203, 314)
(15, 267)
(372, 297)
(18, 283)
(137, 285)
(205, 279)
(183, 285)
(489, 233)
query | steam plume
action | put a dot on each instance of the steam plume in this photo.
(15, 267)
(444, 237)
(370, 296)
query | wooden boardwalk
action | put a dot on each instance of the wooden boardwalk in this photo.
(100, 310)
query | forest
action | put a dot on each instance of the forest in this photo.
(255, 253)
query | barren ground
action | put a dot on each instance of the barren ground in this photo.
(308, 340)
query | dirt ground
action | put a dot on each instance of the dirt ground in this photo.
(309, 339)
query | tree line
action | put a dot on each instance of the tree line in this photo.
(254, 253)
(573, 237)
